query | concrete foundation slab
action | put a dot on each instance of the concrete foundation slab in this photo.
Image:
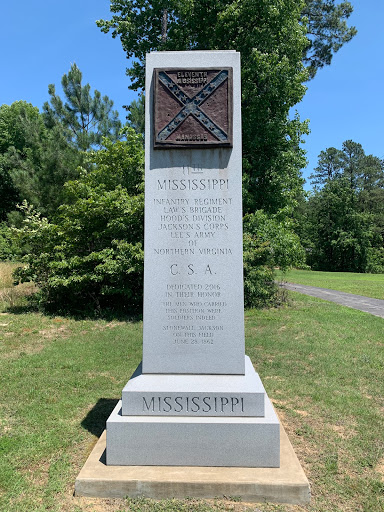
(194, 395)
(193, 441)
(286, 484)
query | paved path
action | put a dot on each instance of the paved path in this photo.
(373, 306)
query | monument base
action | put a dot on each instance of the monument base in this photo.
(193, 441)
(194, 420)
(286, 484)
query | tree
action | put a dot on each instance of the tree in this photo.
(329, 165)
(144, 26)
(342, 223)
(18, 154)
(35, 161)
(136, 115)
(352, 158)
(90, 258)
(343, 236)
(269, 242)
(327, 31)
(371, 184)
(271, 40)
(86, 118)
(8, 193)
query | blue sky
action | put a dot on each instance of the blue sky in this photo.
(40, 39)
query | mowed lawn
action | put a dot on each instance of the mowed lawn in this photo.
(322, 365)
(368, 285)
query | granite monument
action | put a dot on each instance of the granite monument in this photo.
(196, 399)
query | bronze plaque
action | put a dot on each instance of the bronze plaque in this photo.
(192, 107)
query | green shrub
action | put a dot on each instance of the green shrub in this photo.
(269, 242)
(90, 258)
(375, 263)
(9, 249)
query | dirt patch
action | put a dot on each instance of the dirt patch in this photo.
(96, 504)
(281, 403)
(55, 332)
(107, 375)
(110, 325)
(345, 432)
(302, 413)
(38, 475)
(274, 377)
(380, 469)
(115, 505)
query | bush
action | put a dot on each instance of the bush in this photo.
(9, 249)
(375, 263)
(90, 258)
(269, 242)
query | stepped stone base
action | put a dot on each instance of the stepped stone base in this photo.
(193, 441)
(286, 484)
(194, 395)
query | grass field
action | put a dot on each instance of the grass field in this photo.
(368, 285)
(321, 364)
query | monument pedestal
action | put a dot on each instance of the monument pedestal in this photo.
(185, 420)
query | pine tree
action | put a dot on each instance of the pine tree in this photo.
(329, 165)
(85, 118)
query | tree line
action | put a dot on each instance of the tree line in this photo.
(76, 171)
(341, 224)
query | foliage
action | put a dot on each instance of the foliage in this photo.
(9, 249)
(136, 115)
(329, 165)
(86, 118)
(284, 247)
(194, 24)
(17, 154)
(269, 242)
(342, 223)
(8, 192)
(12, 120)
(327, 31)
(91, 256)
(342, 234)
(34, 161)
(271, 41)
(40, 152)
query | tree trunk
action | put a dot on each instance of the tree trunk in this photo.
(164, 28)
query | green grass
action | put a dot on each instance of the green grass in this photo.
(368, 285)
(321, 364)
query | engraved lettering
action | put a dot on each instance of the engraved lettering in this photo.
(221, 184)
(151, 404)
(205, 402)
(166, 402)
(195, 401)
(177, 402)
(234, 402)
(224, 402)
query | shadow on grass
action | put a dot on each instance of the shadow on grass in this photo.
(108, 314)
(95, 420)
